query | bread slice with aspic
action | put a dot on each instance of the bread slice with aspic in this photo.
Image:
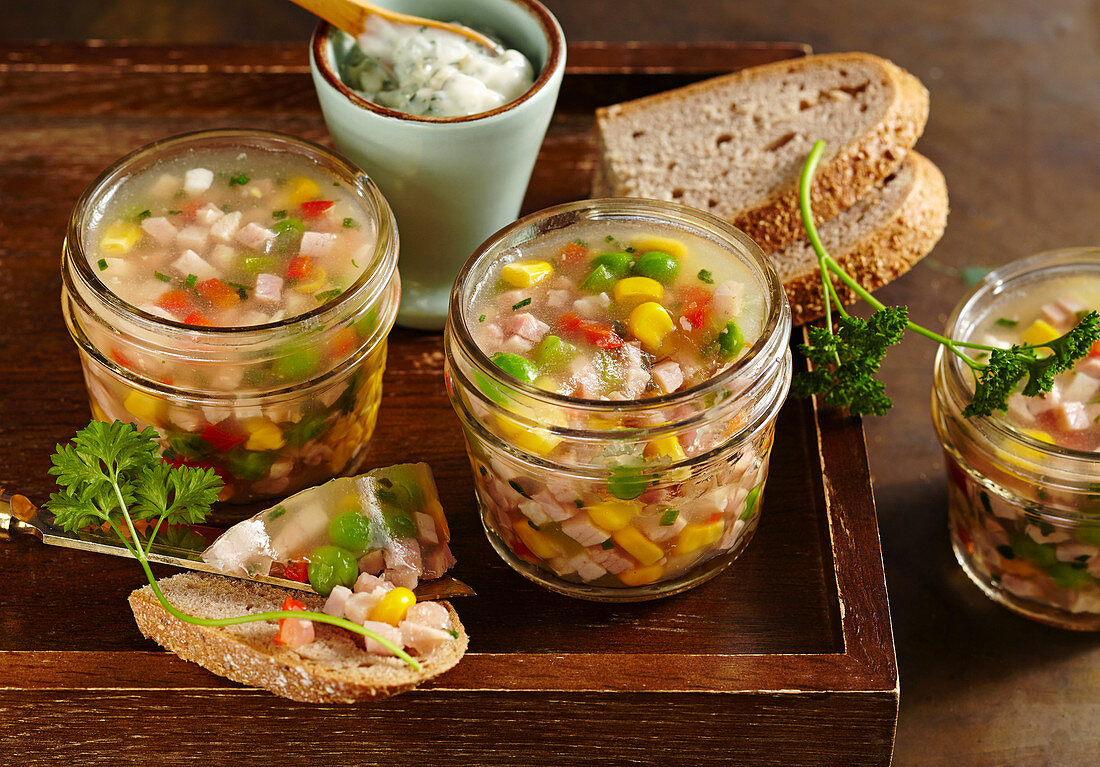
(334, 668)
(879, 238)
(734, 145)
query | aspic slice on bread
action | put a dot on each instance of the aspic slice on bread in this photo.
(334, 668)
(734, 145)
(875, 240)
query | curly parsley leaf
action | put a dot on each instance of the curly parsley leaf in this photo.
(179, 495)
(845, 362)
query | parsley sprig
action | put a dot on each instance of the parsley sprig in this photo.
(845, 360)
(112, 474)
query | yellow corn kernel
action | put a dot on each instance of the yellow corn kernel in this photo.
(674, 248)
(349, 502)
(313, 283)
(640, 576)
(120, 238)
(665, 447)
(650, 323)
(1022, 455)
(531, 440)
(637, 545)
(1039, 333)
(541, 545)
(99, 413)
(434, 509)
(393, 607)
(612, 515)
(524, 274)
(1021, 568)
(301, 189)
(697, 535)
(146, 408)
(263, 435)
(631, 290)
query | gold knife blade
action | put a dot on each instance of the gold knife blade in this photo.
(176, 545)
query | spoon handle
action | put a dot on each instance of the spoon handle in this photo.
(351, 16)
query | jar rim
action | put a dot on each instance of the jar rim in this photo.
(756, 360)
(365, 290)
(973, 306)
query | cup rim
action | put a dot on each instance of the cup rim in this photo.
(321, 62)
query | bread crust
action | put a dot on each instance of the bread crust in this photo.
(848, 173)
(246, 654)
(886, 252)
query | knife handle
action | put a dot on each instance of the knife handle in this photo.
(16, 512)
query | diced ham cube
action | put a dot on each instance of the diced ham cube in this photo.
(655, 531)
(369, 582)
(421, 638)
(1040, 405)
(165, 186)
(1019, 411)
(160, 229)
(430, 614)
(1090, 367)
(226, 226)
(635, 376)
(726, 301)
(197, 180)
(359, 604)
(1055, 315)
(317, 244)
(269, 288)
(517, 344)
(372, 562)
(490, 338)
(552, 507)
(254, 236)
(193, 238)
(587, 569)
(667, 375)
(437, 561)
(425, 526)
(1071, 305)
(1081, 388)
(611, 560)
(404, 564)
(581, 530)
(534, 511)
(223, 257)
(384, 630)
(192, 263)
(208, 214)
(528, 327)
(1072, 416)
(592, 306)
(336, 601)
(156, 311)
(558, 299)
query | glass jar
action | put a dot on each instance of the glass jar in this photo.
(1024, 513)
(272, 408)
(628, 519)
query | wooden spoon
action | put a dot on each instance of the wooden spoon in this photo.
(352, 17)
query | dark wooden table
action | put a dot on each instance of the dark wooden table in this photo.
(1014, 119)
(788, 656)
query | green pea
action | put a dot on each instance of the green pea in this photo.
(400, 486)
(1088, 532)
(310, 427)
(1039, 553)
(657, 265)
(617, 263)
(250, 464)
(627, 482)
(297, 364)
(489, 389)
(1066, 576)
(553, 353)
(367, 323)
(730, 341)
(516, 366)
(750, 502)
(350, 530)
(398, 523)
(599, 280)
(189, 445)
(332, 566)
(253, 265)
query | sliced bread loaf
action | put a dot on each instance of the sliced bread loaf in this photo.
(334, 668)
(735, 145)
(875, 240)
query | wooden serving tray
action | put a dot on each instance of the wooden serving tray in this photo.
(787, 658)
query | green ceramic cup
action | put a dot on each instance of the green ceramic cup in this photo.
(451, 181)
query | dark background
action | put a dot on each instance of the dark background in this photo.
(1015, 88)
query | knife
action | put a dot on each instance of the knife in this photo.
(176, 545)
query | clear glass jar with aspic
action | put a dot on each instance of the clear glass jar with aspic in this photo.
(626, 466)
(234, 290)
(1024, 485)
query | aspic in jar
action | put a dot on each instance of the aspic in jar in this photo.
(617, 366)
(234, 290)
(1024, 513)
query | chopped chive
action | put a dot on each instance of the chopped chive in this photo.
(328, 295)
(350, 223)
(1005, 322)
(162, 276)
(582, 243)
(1006, 552)
(579, 503)
(521, 304)
(143, 215)
(191, 280)
(607, 545)
(518, 488)
(278, 215)
(452, 632)
(354, 264)
(239, 180)
(481, 318)
(242, 290)
(609, 238)
(532, 525)
(669, 517)
(705, 276)
(102, 264)
(225, 207)
(483, 470)
(175, 212)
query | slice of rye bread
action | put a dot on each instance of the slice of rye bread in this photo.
(735, 145)
(877, 239)
(333, 669)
